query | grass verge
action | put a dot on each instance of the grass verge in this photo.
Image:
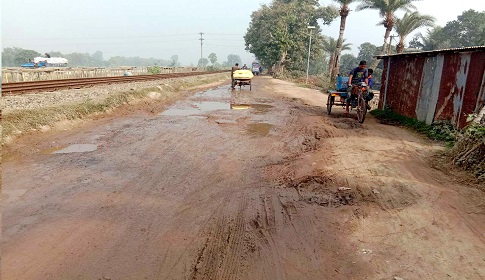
(439, 131)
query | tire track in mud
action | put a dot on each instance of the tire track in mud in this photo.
(221, 254)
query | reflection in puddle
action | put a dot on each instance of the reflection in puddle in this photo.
(261, 129)
(196, 108)
(51, 150)
(260, 108)
(240, 106)
(75, 148)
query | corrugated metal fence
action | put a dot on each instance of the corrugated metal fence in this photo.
(444, 85)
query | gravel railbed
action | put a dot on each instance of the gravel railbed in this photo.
(73, 96)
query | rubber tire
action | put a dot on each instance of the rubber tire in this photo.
(361, 109)
(330, 102)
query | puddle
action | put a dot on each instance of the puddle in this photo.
(218, 92)
(240, 106)
(197, 117)
(196, 108)
(51, 150)
(259, 108)
(261, 129)
(75, 148)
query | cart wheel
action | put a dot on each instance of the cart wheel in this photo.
(330, 102)
(361, 109)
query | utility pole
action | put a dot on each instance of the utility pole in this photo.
(201, 39)
(389, 51)
(309, 48)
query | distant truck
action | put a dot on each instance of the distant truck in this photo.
(255, 68)
(46, 62)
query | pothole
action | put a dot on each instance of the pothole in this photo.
(75, 148)
(323, 191)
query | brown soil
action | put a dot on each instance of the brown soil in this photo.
(257, 184)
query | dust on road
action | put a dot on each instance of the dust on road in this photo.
(246, 184)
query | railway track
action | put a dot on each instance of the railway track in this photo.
(53, 85)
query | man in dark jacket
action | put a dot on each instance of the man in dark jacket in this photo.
(234, 68)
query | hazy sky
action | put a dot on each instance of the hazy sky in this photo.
(161, 28)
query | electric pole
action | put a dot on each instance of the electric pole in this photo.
(201, 39)
(391, 37)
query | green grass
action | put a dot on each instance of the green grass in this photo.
(439, 131)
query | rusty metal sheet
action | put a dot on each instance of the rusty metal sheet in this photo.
(404, 84)
(452, 88)
(473, 97)
(448, 86)
(430, 82)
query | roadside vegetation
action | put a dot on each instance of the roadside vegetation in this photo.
(466, 146)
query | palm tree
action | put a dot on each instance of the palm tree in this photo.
(408, 23)
(344, 12)
(386, 9)
(434, 39)
(330, 46)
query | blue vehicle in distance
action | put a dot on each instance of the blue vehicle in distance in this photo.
(46, 62)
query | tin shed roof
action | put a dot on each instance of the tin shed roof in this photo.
(435, 52)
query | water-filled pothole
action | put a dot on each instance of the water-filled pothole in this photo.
(261, 129)
(196, 108)
(75, 148)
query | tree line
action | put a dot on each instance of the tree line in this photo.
(278, 33)
(14, 57)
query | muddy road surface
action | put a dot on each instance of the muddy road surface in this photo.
(237, 185)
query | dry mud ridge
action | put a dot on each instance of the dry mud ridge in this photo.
(237, 185)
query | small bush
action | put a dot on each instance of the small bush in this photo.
(154, 70)
(469, 150)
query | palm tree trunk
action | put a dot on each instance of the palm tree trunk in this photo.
(400, 45)
(344, 12)
(331, 62)
(384, 47)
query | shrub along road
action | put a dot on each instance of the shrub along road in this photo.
(237, 185)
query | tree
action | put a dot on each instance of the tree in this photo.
(344, 12)
(330, 47)
(367, 51)
(174, 60)
(386, 9)
(434, 39)
(408, 23)
(278, 32)
(213, 58)
(97, 59)
(14, 57)
(232, 59)
(467, 30)
(202, 62)
(97, 55)
(347, 63)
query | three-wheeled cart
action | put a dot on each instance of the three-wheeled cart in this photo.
(242, 78)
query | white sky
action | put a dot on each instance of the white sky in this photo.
(162, 28)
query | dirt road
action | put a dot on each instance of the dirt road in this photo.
(241, 185)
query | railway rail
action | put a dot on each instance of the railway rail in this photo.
(19, 88)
